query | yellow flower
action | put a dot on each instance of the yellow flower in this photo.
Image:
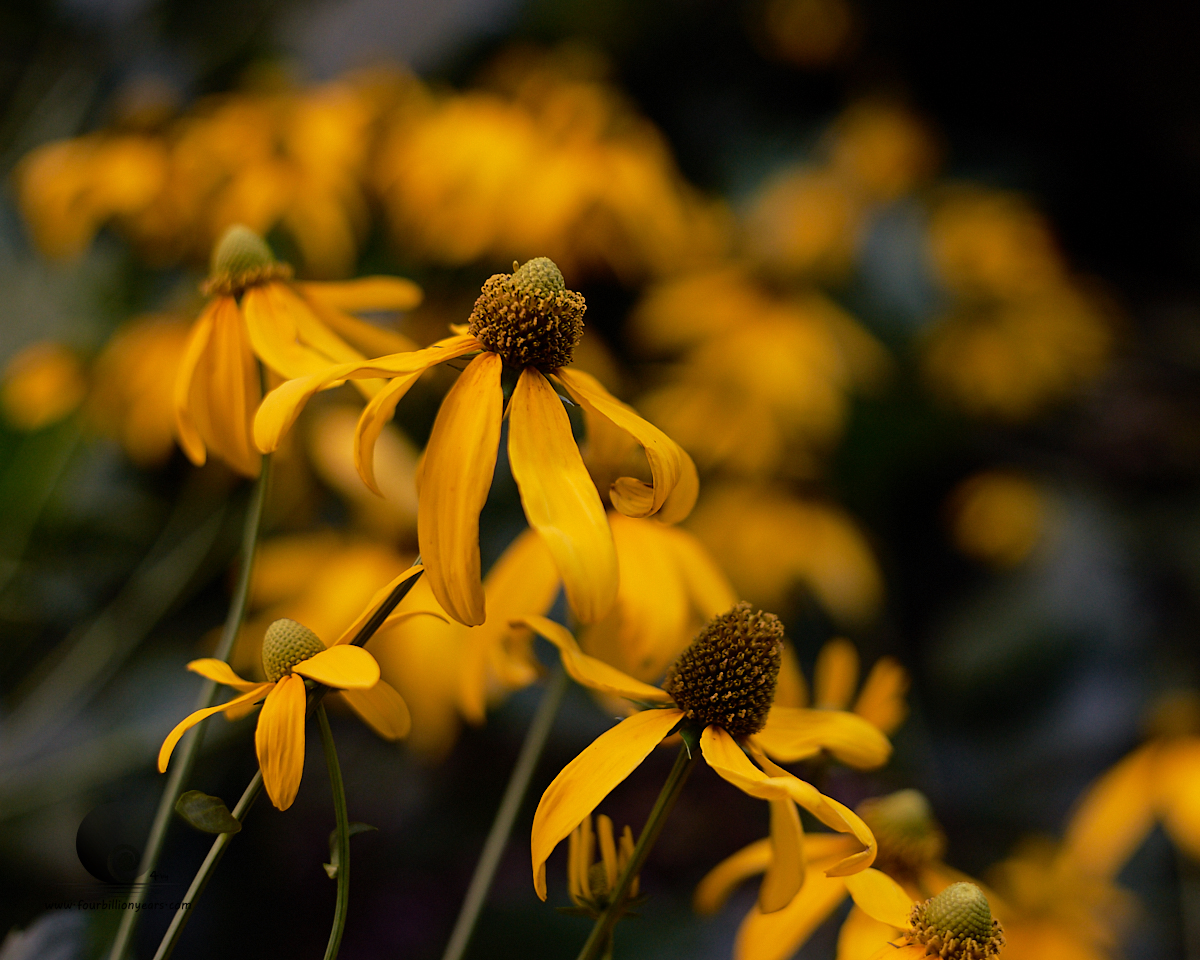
(42, 384)
(910, 850)
(1157, 783)
(957, 924)
(997, 516)
(292, 652)
(528, 322)
(294, 329)
(133, 381)
(731, 707)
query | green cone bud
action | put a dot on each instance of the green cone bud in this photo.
(957, 924)
(242, 259)
(285, 644)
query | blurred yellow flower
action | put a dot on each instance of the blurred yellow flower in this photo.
(295, 330)
(883, 148)
(529, 322)
(731, 710)
(42, 384)
(809, 33)
(770, 542)
(133, 381)
(997, 516)
(291, 653)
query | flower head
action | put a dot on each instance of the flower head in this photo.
(291, 654)
(739, 755)
(957, 924)
(523, 322)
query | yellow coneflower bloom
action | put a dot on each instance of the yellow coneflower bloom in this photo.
(1157, 783)
(722, 685)
(957, 924)
(292, 652)
(41, 385)
(910, 850)
(528, 322)
(295, 329)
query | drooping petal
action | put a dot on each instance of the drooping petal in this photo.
(376, 601)
(589, 671)
(186, 427)
(785, 875)
(279, 740)
(272, 323)
(382, 709)
(795, 734)
(342, 667)
(524, 581)
(369, 339)
(861, 935)
(186, 724)
(880, 896)
(460, 459)
(233, 389)
(213, 669)
(559, 497)
(365, 294)
(281, 406)
(881, 700)
(589, 778)
(836, 675)
(671, 469)
(709, 588)
(776, 936)
(1115, 815)
(723, 754)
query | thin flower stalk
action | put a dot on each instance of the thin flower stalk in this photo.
(343, 835)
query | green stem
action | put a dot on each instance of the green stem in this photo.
(343, 835)
(600, 940)
(200, 880)
(506, 815)
(189, 746)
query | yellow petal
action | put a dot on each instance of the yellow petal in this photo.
(778, 935)
(233, 388)
(279, 740)
(281, 406)
(672, 470)
(900, 951)
(591, 777)
(218, 670)
(786, 872)
(272, 322)
(608, 849)
(524, 581)
(795, 734)
(881, 701)
(589, 671)
(370, 339)
(185, 420)
(835, 675)
(881, 897)
(1179, 793)
(379, 411)
(723, 754)
(366, 294)
(559, 497)
(861, 936)
(713, 891)
(459, 461)
(342, 667)
(376, 601)
(1115, 815)
(707, 585)
(186, 724)
(382, 709)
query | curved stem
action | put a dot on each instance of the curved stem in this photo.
(200, 880)
(189, 747)
(506, 814)
(599, 944)
(343, 835)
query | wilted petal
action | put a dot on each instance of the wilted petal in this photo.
(279, 740)
(382, 709)
(460, 459)
(342, 667)
(591, 777)
(675, 485)
(559, 497)
(186, 724)
(589, 671)
(795, 734)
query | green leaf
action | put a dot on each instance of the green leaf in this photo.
(205, 813)
(331, 868)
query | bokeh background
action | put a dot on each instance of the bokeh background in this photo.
(914, 283)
